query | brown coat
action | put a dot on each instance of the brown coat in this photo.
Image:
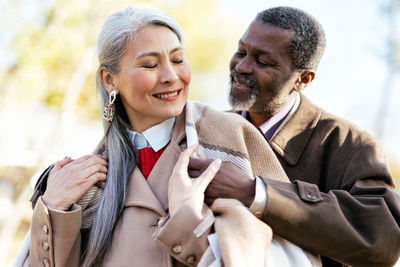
(342, 203)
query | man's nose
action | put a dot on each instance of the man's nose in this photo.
(168, 74)
(243, 65)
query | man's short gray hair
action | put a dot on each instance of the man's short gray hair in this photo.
(308, 43)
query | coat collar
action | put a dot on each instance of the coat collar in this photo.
(156, 137)
(153, 192)
(292, 139)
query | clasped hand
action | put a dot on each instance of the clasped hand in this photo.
(71, 179)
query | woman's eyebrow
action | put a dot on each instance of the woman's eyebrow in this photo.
(147, 54)
(156, 54)
(176, 49)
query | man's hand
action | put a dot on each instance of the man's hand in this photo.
(229, 182)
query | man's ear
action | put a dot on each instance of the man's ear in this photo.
(108, 79)
(304, 79)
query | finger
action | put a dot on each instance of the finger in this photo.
(183, 160)
(95, 178)
(91, 170)
(97, 159)
(91, 161)
(65, 161)
(60, 164)
(208, 175)
(222, 205)
(199, 163)
(83, 158)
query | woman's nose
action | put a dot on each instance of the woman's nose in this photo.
(168, 74)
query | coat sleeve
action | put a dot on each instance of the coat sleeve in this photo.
(357, 224)
(184, 235)
(55, 236)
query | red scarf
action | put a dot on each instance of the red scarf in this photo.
(148, 158)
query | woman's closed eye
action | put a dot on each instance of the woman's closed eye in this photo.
(177, 57)
(177, 61)
(150, 65)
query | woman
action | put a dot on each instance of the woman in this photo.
(120, 207)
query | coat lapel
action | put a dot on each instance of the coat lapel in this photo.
(153, 192)
(159, 175)
(139, 194)
(292, 139)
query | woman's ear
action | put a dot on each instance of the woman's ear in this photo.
(108, 79)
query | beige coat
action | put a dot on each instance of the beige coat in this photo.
(144, 236)
(133, 243)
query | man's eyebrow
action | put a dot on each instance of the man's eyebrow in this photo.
(156, 54)
(259, 51)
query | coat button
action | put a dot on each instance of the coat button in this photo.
(45, 229)
(309, 196)
(177, 249)
(191, 259)
(258, 214)
(46, 263)
(45, 246)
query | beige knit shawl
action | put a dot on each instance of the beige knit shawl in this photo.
(220, 135)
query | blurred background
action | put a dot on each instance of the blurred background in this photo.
(48, 102)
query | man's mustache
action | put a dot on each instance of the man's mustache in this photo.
(241, 78)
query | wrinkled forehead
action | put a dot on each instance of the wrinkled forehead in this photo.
(260, 32)
(153, 38)
(266, 38)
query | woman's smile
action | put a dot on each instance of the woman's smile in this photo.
(168, 96)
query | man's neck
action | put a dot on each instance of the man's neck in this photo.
(258, 118)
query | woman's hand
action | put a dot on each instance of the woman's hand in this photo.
(71, 179)
(183, 189)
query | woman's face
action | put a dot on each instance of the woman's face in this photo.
(154, 77)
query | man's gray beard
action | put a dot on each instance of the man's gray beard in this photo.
(240, 105)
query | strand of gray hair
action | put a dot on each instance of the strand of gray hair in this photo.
(117, 31)
(121, 161)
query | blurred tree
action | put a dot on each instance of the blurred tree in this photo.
(49, 52)
(391, 11)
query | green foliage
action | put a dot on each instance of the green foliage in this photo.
(48, 53)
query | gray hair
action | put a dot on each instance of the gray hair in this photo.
(117, 31)
(308, 43)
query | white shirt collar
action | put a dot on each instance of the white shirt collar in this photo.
(155, 137)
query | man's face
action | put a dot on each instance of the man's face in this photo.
(262, 77)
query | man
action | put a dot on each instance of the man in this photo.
(341, 203)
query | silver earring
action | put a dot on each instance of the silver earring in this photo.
(109, 110)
